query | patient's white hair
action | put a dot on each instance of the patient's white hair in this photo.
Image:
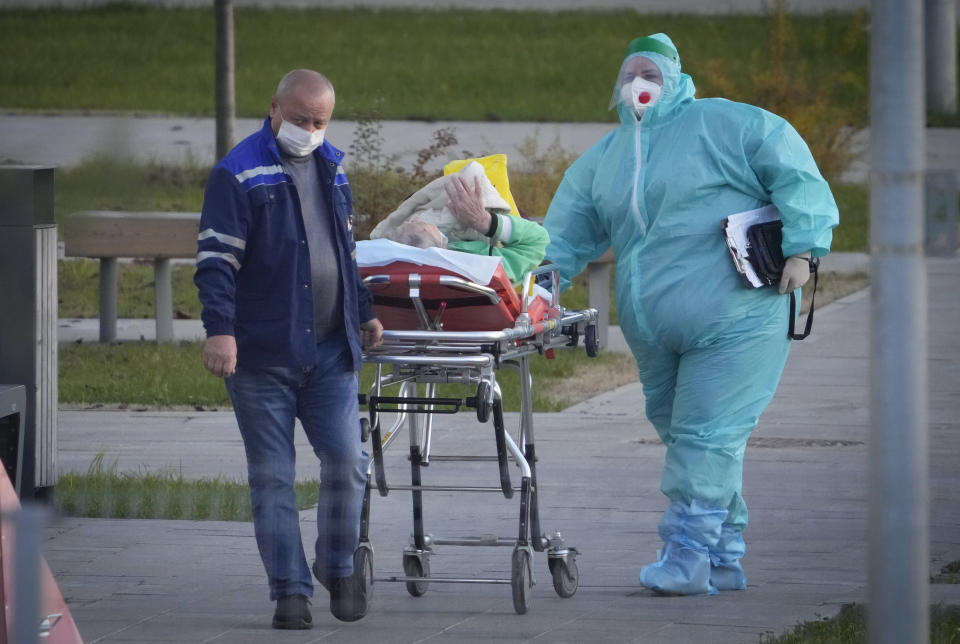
(418, 233)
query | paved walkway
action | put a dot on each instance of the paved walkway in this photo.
(599, 465)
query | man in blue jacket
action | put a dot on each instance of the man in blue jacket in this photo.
(286, 317)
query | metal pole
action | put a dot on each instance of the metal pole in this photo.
(108, 299)
(941, 55)
(163, 299)
(899, 497)
(225, 101)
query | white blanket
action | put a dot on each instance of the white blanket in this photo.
(380, 252)
(430, 203)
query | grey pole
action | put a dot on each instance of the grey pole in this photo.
(26, 619)
(899, 497)
(941, 55)
(225, 101)
(163, 299)
(108, 299)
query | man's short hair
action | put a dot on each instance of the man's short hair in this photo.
(298, 77)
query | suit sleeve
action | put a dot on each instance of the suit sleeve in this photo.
(786, 169)
(576, 234)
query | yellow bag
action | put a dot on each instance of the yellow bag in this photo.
(495, 166)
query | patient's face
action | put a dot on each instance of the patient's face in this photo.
(419, 233)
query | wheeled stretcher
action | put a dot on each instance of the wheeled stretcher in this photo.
(442, 327)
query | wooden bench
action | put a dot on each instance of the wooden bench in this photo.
(109, 235)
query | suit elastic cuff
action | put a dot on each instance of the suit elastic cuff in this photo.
(505, 228)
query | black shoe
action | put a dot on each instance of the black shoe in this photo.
(322, 578)
(348, 598)
(293, 613)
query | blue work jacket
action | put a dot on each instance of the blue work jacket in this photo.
(253, 262)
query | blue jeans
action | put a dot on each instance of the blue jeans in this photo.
(324, 397)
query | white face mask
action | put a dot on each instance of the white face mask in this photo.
(296, 141)
(639, 95)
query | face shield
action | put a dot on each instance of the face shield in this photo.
(638, 74)
(640, 80)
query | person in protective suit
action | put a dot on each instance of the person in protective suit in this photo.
(710, 352)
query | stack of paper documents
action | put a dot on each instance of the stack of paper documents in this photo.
(735, 231)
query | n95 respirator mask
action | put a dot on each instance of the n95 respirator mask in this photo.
(639, 95)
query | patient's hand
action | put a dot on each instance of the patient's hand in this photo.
(466, 203)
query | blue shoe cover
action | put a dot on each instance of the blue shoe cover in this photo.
(726, 573)
(688, 532)
(683, 569)
(728, 576)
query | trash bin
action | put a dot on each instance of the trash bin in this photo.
(28, 322)
(13, 406)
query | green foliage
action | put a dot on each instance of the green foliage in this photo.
(850, 627)
(853, 202)
(138, 373)
(949, 574)
(103, 492)
(116, 184)
(789, 77)
(542, 170)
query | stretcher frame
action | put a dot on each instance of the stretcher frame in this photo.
(431, 356)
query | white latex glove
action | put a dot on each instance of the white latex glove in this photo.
(796, 272)
(220, 355)
(467, 204)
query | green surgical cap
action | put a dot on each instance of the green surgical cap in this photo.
(650, 44)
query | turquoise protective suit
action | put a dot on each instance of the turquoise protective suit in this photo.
(710, 351)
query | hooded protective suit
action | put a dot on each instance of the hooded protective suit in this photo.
(710, 351)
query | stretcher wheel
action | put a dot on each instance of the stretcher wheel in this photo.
(364, 430)
(590, 341)
(566, 576)
(521, 580)
(483, 401)
(414, 566)
(363, 565)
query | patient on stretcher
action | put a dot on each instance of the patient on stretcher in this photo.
(462, 212)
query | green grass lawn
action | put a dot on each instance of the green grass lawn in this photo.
(145, 374)
(102, 492)
(470, 65)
